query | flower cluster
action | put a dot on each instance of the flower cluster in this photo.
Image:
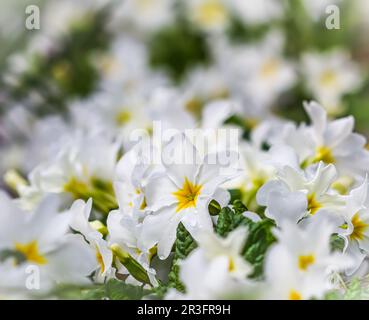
(149, 147)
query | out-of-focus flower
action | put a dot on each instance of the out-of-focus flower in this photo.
(329, 76)
(258, 73)
(221, 263)
(209, 15)
(82, 169)
(144, 15)
(40, 240)
(298, 266)
(296, 194)
(259, 12)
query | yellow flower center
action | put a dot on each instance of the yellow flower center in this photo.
(269, 68)
(359, 228)
(145, 4)
(195, 106)
(30, 251)
(313, 204)
(187, 196)
(294, 295)
(123, 117)
(328, 78)
(210, 13)
(324, 154)
(231, 265)
(306, 261)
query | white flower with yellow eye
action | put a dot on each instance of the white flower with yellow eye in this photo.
(329, 76)
(299, 265)
(126, 67)
(335, 142)
(80, 212)
(183, 193)
(332, 142)
(355, 229)
(120, 114)
(257, 73)
(259, 167)
(204, 85)
(78, 170)
(144, 15)
(209, 15)
(296, 194)
(229, 248)
(40, 241)
(216, 269)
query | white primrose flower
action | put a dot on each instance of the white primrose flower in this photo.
(121, 231)
(208, 15)
(119, 114)
(329, 76)
(216, 269)
(355, 230)
(126, 66)
(296, 194)
(332, 142)
(203, 85)
(40, 241)
(300, 264)
(182, 194)
(212, 134)
(168, 106)
(134, 172)
(257, 73)
(215, 247)
(80, 169)
(80, 212)
(125, 234)
(335, 142)
(259, 167)
(144, 15)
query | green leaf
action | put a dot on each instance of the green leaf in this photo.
(358, 289)
(177, 49)
(259, 239)
(111, 290)
(336, 243)
(183, 246)
(118, 290)
(229, 219)
(214, 208)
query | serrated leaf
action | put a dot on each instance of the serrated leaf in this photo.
(229, 219)
(358, 289)
(111, 290)
(184, 244)
(259, 239)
